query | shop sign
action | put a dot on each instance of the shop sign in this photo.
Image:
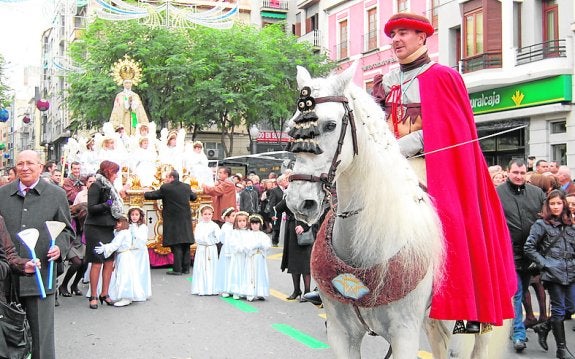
(272, 136)
(534, 93)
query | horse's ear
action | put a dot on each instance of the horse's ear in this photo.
(303, 76)
(347, 75)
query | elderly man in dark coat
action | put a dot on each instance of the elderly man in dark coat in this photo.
(28, 203)
(177, 219)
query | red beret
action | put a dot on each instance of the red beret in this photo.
(406, 20)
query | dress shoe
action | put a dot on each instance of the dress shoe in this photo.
(313, 297)
(95, 305)
(64, 291)
(542, 330)
(519, 345)
(294, 295)
(173, 273)
(186, 272)
(529, 322)
(76, 291)
(122, 303)
(105, 299)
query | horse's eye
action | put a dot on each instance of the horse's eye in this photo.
(330, 126)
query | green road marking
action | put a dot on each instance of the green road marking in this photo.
(189, 279)
(300, 336)
(243, 306)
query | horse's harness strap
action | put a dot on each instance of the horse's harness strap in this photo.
(328, 178)
(362, 321)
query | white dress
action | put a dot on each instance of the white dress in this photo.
(142, 258)
(126, 282)
(257, 282)
(237, 274)
(197, 166)
(207, 234)
(223, 272)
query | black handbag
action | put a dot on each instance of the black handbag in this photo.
(306, 238)
(16, 338)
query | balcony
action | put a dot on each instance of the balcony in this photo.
(488, 60)
(275, 5)
(313, 37)
(544, 50)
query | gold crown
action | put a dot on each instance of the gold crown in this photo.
(127, 69)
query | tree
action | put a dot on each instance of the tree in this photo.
(4, 95)
(194, 77)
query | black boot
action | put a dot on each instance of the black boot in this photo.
(542, 330)
(559, 333)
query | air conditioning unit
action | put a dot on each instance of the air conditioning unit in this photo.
(213, 153)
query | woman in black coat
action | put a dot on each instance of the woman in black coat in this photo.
(296, 258)
(551, 246)
(105, 206)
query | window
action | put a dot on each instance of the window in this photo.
(369, 86)
(559, 153)
(550, 19)
(473, 33)
(343, 40)
(401, 5)
(435, 13)
(558, 127)
(371, 42)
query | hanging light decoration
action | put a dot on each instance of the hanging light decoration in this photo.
(6, 155)
(26, 119)
(42, 104)
(2, 146)
(4, 115)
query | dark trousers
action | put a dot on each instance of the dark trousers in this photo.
(181, 257)
(561, 296)
(40, 314)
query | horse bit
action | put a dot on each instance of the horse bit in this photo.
(306, 129)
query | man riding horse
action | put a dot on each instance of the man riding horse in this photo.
(476, 288)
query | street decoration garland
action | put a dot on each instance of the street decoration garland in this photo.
(169, 13)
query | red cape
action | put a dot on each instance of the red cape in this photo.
(480, 278)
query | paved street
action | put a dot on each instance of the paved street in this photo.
(175, 324)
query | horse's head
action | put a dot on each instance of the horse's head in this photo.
(323, 134)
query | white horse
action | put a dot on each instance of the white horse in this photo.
(384, 229)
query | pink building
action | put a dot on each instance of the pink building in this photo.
(355, 34)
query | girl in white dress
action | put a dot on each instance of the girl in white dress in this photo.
(258, 243)
(207, 235)
(139, 231)
(223, 272)
(125, 286)
(239, 238)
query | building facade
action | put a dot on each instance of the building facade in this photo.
(516, 58)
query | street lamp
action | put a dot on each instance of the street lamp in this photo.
(254, 133)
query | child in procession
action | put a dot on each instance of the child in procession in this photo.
(223, 272)
(139, 231)
(125, 285)
(258, 244)
(207, 235)
(237, 279)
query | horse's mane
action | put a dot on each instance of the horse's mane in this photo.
(398, 214)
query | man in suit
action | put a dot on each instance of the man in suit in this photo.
(177, 219)
(275, 196)
(28, 203)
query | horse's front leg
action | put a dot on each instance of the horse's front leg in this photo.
(343, 333)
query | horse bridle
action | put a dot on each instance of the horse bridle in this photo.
(327, 179)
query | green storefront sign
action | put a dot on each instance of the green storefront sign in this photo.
(544, 91)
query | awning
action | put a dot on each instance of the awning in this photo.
(273, 15)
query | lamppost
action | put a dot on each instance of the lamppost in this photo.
(254, 133)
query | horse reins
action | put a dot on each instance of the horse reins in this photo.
(327, 179)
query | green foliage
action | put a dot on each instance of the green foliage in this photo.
(194, 77)
(4, 89)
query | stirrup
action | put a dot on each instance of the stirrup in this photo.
(460, 328)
